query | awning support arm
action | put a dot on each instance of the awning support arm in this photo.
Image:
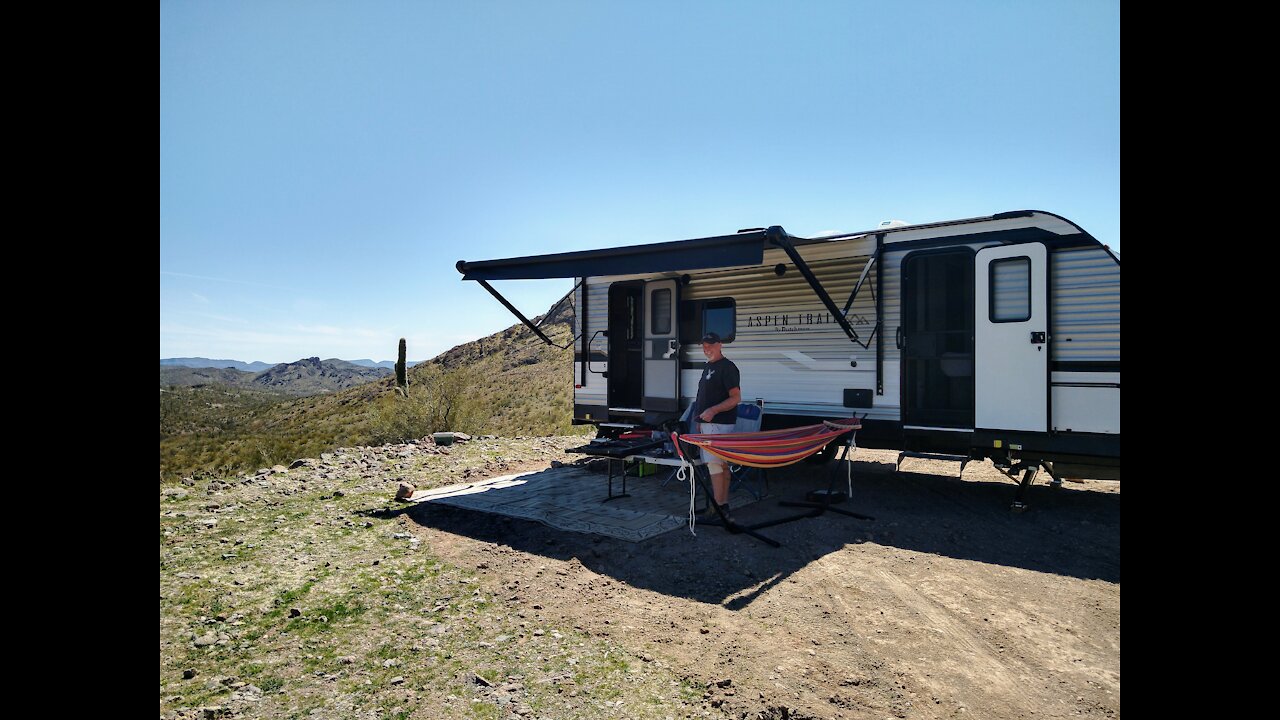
(879, 318)
(516, 312)
(866, 270)
(564, 297)
(779, 237)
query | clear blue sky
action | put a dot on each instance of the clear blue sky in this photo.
(324, 165)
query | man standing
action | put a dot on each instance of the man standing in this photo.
(716, 409)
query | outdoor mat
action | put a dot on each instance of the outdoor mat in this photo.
(569, 498)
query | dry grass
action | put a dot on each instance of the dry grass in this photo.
(326, 606)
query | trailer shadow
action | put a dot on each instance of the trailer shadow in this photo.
(1072, 531)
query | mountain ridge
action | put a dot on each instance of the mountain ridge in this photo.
(259, 366)
(203, 362)
(307, 376)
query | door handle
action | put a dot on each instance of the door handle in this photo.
(898, 339)
(673, 347)
(1037, 338)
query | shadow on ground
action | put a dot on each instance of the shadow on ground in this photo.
(1072, 531)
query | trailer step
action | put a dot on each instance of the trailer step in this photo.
(962, 459)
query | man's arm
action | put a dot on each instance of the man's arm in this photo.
(735, 397)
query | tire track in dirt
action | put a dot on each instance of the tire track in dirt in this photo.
(860, 679)
(975, 663)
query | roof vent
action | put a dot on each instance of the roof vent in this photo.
(892, 224)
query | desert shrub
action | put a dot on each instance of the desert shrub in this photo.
(439, 400)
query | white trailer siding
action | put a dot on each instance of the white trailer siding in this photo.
(1086, 329)
(593, 392)
(1086, 402)
(790, 351)
(1085, 306)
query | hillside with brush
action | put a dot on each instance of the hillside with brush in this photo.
(508, 383)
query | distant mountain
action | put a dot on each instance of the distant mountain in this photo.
(309, 376)
(312, 376)
(382, 363)
(259, 366)
(199, 362)
(183, 376)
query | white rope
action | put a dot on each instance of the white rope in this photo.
(848, 461)
(685, 474)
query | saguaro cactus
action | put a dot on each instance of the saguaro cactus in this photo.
(402, 374)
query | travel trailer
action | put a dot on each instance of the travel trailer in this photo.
(990, 337)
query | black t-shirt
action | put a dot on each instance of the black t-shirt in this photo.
(718, 378)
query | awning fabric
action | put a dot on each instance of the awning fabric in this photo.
(740, 249)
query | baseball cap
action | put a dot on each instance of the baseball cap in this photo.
(711, 337)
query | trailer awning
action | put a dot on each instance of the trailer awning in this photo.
(746, 248)
(742, 249)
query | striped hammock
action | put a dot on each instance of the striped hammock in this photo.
(770, 448)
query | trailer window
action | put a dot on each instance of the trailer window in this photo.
(1010, 290)
(660, 315)
(697, 317)
(720, 317)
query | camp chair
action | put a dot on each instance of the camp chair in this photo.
(686, 425)
(750, 416)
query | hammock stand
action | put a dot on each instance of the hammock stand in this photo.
(768, 449)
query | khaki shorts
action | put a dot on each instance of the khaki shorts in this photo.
(714, 464)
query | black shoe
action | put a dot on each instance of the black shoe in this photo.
(724, 510)
(709, 513)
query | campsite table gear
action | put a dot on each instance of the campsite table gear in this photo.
(772, 448)
(619, 449)
(765, 449)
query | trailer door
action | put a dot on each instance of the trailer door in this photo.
(661, 347)
(1012, 332)
(936, 340)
